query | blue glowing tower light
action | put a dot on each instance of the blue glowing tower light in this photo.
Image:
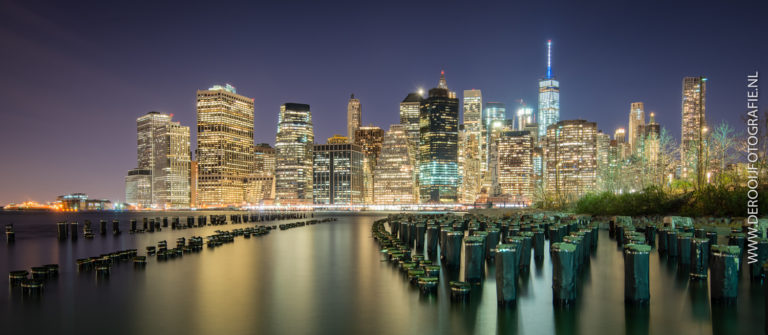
(549, 59)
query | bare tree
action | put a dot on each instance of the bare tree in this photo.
(722, 146)
(668, 153)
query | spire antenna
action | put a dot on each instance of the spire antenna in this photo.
(549, 59)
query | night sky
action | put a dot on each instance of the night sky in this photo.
(75, 75)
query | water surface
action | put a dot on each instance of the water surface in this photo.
(329, 279)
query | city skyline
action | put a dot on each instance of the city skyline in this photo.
(505, 78)
(395, 167)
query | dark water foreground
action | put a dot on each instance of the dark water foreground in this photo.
(329, 279)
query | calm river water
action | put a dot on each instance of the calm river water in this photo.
(328, 279)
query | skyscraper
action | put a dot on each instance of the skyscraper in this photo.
(369, 139)
(694, 124)
(524, 117)
(493, 121)
(164, 150)
(649, 146)
(636, 120)
(438, 146)
(138, 188)
(571, 158)
(603, 145)
(175, 178)
(494, 111)
(394, 172)
(354, 117)
(471, 154)
(620, 136)
(338, 174)
(473, 109)
(652, 128)
(515, 166)
(612, 173)
(409, 117)
(539, 175)
(224, 145)
(294, 145)
(469, 164)
(491, 183)
(261, 185)
(149, 128)
(264, 159)
(549, 97)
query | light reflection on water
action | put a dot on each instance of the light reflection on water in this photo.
(329, 279)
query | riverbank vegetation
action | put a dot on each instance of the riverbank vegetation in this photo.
(712, 200)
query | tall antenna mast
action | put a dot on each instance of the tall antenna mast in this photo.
(549, 59)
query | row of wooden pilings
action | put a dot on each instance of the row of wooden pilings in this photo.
(418, 243)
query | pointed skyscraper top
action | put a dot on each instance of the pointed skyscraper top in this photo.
(549, 59)
(442, 84)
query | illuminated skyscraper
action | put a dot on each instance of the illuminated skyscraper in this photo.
(264, 159)
(471, 155)
(394, 172)
(493, 119)
(150, 128)
(438, 146)
(338, 174)
(164, 150)
(294, 145)
(538, 166)
(620, 136)
(549, 97)
(469, 164)
(494, 111)
(495, 132)
(369, 139)
(612, 175)
(603, 145)
(515, 166)
(261, 185)
(409, 117)
(652, 128)
(224, 145)
(649, 143)
(354, 117)
(524, 117)
(694, 125)
(138, 188)
(473, 109)
(636, 120)
(174, 192)
(571, 158)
